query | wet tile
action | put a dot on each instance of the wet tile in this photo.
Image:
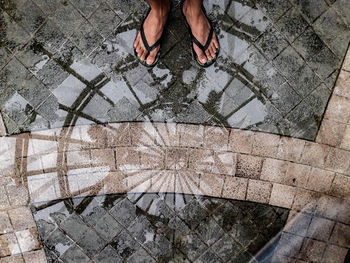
(209, 256)
(125, 245)
(48, 6)
(50, 37)
(272, 42)
(237, 9)
(5, 56)
(226, 247)
(52, 74)
(86, 8)
(288, 62)
(109, 254)
(123, 9)
(285, 98)
(316, 103)
(292, 24)
(91, 242)
(72, 86)
(311, 9)
(324, 63)
(86, 38)
(107, 227)
(67, 18)
(126, 217)
(34, 91)
(75, 227)
(16, 36)
(274, 9)
(329, 25)
(17, 108)
(309, 44)
(29, 22)
(192, 246)
(304, 81)
(341, 6)
(104, 19)
(75, 254)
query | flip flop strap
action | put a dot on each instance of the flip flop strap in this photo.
(205, 47)
(144, 40)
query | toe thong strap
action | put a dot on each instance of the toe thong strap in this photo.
(144, 40)
(205, 47)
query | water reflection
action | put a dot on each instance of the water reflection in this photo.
(157, 228)
(69, 171)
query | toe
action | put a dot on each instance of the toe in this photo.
(216, 42)
(142, 54)
(208, 53)
(201, 56)
(213, 51)
(138, 49)
(152, 56)
(137, 41)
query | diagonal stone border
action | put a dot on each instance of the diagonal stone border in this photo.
(310, 178)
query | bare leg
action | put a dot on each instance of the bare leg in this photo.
(200, 27)
(153, 28)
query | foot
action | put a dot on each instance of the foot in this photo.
(153, 28)
(200, 28)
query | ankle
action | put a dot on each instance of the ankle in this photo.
(191, 11)
(161, 11)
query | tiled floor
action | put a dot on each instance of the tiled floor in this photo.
(156, 228)
(69, 63)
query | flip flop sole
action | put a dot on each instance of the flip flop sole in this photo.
(209, 62)
(144, 62)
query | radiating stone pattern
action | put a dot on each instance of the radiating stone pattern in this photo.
(67, 62)
(155, 228)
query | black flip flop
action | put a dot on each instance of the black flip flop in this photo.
(146, 45)
(198, 44)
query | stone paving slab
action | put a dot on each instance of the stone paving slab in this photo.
(65, 63)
